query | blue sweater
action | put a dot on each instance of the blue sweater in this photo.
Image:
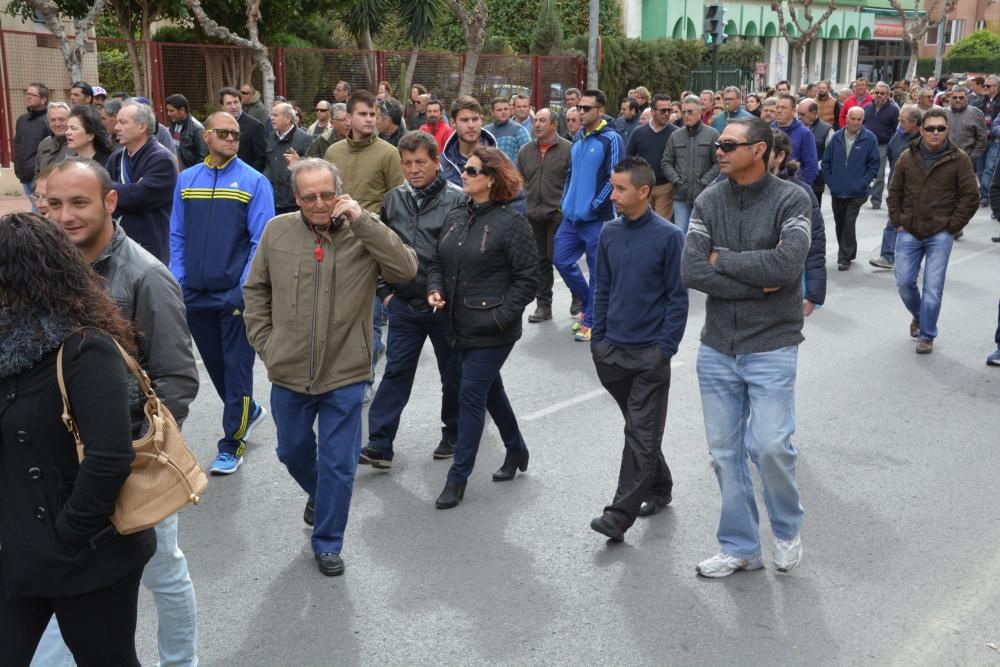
(882, 122)
(850, 176)
(649, 144)
(639, 297)
(803, 150)
(218, 217)
(145, 185)
(587, 197)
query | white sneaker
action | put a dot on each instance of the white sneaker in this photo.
(723, 565)
(787, 553)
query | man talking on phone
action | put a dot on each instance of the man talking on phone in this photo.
(309, 297)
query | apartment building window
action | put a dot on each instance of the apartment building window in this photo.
(953, 31)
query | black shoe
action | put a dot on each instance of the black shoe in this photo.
(543, 313)
(445, 449)
(653, 505)
(516, 459)
(332, 565)
(606, 525)
(843, 266)
(450, 497)
(574, 306)
(309, 515)
(374, 458)
(876, 205)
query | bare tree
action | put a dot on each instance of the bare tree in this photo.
(72, 50)
(473, 23)
(917, 23)
(806, 28)
(260, 56)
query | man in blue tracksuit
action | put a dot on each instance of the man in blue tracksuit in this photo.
(220, 209)
(640, 313)
(586, 203)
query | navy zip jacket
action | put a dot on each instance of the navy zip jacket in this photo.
(639, 297)
(851, 176)
(882, 121)
(803, 150)
(218, 216)
(145, 186)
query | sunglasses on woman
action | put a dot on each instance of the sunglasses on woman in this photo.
(472, 172)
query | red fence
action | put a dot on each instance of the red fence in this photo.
(304, 75)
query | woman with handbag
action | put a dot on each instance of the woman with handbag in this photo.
(58, 551)
(484, 275)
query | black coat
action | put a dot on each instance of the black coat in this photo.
(253, 142)
(55, 535)
(486, 268)
(31, 128)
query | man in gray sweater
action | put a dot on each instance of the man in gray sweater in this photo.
(745, 249)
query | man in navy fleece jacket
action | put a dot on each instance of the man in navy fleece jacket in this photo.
(640, 311)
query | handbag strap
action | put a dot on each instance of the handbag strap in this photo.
(140, 376)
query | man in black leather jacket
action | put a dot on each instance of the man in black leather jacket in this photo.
(416, 211)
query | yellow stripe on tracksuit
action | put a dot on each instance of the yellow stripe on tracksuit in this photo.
(242, 430)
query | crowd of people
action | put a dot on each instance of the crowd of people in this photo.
(257, 234)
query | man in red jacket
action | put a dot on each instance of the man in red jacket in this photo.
(436, 126)
(860, 98)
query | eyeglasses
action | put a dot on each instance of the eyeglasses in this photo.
(312, 197)
(318, 109)
(472, 172)
(730, 146)
(225, 134)
(959, 98)
(690, 112)
(936, 128)
(662, 110)
(246, 92)
(583, 108)
(38, 196)
(879, 92)
(339, 120)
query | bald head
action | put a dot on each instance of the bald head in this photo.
(223, 120)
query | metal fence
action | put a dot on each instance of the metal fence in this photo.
(198, 71)
(726, 75)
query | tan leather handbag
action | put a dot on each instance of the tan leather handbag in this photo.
(165, 474)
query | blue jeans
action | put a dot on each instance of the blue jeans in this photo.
(378, 347)
(889, 242)
(325, 471)
(748, 401)
(166, 576)
(989, 167)
(482, 389)
(682, 215)
(26, 187)
(910, 250)
(878, 185)
(572, 241)
(408, 329)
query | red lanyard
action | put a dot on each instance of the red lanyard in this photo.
(318, 250)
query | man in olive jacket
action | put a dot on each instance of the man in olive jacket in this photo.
(933, 195)
(308, 310)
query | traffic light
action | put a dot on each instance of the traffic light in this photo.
(715, 24)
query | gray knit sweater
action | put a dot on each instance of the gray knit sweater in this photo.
(761, 232)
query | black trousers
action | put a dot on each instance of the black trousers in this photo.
(545, 233)
(98, 627)
(639, 381)
(845, 215)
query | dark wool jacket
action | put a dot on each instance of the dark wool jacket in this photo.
(927, 202)
(145, 186)
(420, 228)
(191, 146)
(276, 169)
(486, 268)
(55, 528)
(253, 142)
(32, 126)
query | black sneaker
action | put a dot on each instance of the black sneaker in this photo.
(374, 458)
(607, 526)
(330, 564)
(445, 449)
(309, 515)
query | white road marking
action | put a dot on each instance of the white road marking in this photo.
(973, 255)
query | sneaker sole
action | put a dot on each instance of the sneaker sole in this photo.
(219, 471)
(378, 464)
(751, 567)
(252, 425)
(442, 457)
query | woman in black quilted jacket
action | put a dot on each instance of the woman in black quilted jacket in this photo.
(484, 275)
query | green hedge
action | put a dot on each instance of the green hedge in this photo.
(978, 64)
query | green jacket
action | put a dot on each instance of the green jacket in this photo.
(368, 169)
(309, 314)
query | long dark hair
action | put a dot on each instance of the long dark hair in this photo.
(782, 144)
(90, 118)
(44, 274)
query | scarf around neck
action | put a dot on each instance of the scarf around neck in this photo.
(27, 337)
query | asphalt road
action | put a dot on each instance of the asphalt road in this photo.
(898, 473)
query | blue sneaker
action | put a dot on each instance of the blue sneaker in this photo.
(225, 464)
(255, 418)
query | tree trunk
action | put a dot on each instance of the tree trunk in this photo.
(594, 28)
(474, 26)
(911, 66)
(411, 67)
(138, 79)
(72, 52)
(367, 47)
(469, 71)
(803, 66)
(263, 63)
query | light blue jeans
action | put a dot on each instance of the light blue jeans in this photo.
(748, 401)
(166, 576)
(682, 215)
(935, 251)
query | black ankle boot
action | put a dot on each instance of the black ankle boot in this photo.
(516, 459)
(452, 494)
